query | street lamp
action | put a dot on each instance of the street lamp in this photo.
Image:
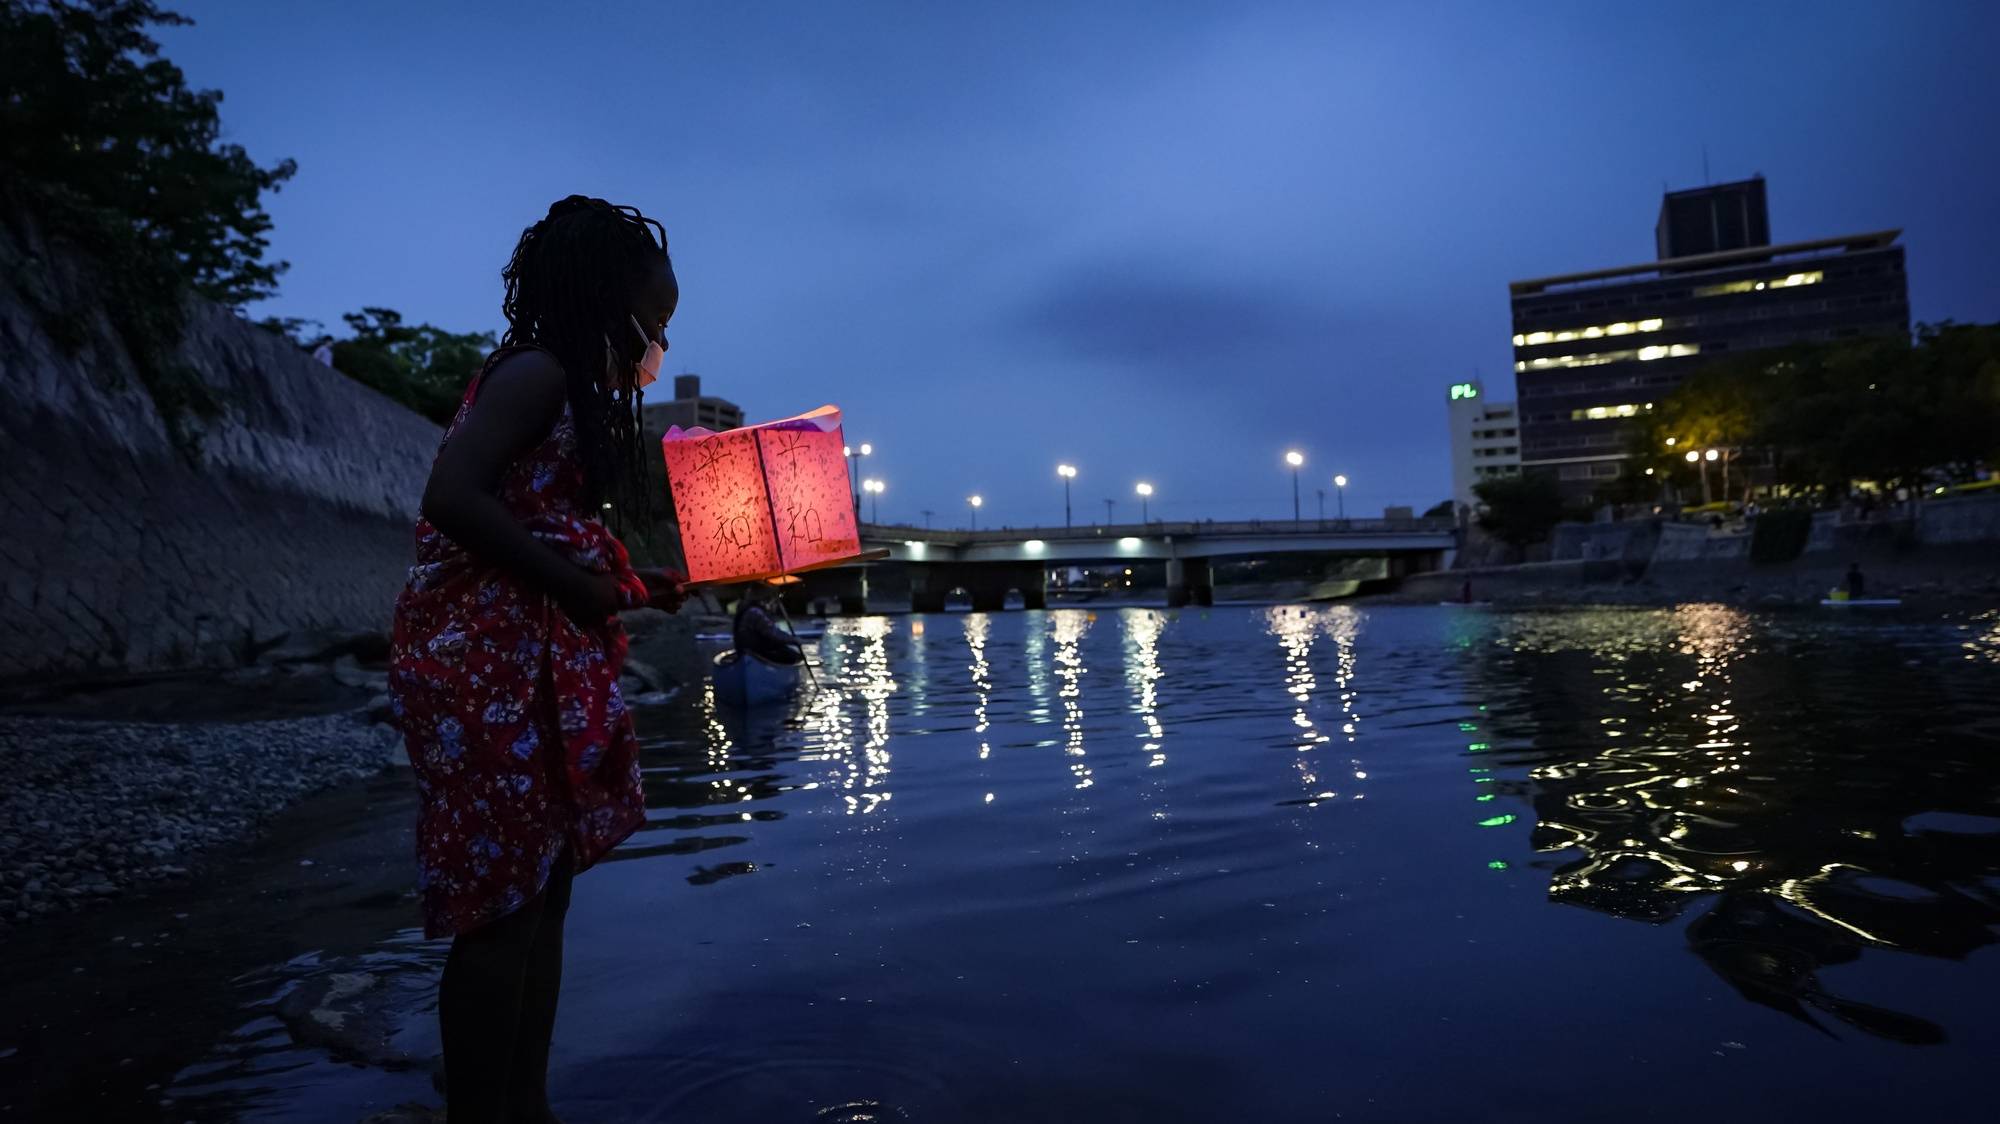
(1295, 459)
(1145, 491)
(1340, 494)
(972, 504)
(1068, 473)
(854, 468)
(1694, 458)
(874, 488)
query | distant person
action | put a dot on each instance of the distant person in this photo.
(508, 646)
(1857, 586)
(757, 631)
(1465, 592)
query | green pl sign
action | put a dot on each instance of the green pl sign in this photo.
(1464, 390)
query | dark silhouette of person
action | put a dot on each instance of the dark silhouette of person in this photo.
(514, 548)
(1857, 586)
(757, 632)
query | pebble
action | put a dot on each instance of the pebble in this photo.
(99, 807)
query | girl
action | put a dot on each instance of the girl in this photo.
(507, 646)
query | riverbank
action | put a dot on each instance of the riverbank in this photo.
(106, 1006)
(1943, 576)
(169, 838)
(120, 785)
(94, 808)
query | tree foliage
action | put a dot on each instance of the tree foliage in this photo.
(420, 365)
(1882, 410)
(108, 150)
(1519, 510)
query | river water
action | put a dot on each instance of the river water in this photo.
(1287, 864)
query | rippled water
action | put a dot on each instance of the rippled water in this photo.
(1291, 864)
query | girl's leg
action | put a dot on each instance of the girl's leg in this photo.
(529, 1099)
(479, 1013)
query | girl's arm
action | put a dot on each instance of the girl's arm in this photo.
(517, 404)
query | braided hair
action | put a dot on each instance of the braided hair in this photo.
(570, 285)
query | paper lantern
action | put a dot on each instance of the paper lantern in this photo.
(763, 500)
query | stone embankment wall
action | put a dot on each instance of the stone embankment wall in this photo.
(1947, 552)
(127, 552)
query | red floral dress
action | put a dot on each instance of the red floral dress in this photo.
(510, 710)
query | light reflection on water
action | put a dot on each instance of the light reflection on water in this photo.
(1072, 865)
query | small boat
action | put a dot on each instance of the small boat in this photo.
(1861, 602)
(743, 679)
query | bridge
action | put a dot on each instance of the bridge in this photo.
(987, 565)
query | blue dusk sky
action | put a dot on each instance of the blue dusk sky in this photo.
(1160, 241)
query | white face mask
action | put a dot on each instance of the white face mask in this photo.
(649, 364)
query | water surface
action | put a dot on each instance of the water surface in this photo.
(1288, 864)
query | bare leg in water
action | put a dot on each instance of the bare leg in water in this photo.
(496, 1008)
(529, 1101)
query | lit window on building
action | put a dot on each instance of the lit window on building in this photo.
(1657, 351)
(1595, 331)
(1599, 413)
(1790, 280)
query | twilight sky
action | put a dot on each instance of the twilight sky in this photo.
(1162, 241)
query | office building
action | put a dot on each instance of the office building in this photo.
(1485, 441)
(689, 408)
(1709, 220)
(1594, 350)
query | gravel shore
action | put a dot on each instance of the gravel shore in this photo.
(91, 809)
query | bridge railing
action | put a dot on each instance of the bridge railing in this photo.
(1206, 528)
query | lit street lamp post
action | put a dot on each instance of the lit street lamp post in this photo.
(1295, 459)
(874, 488)
(1145, 491)
(1340, 496)
(1068, 473)
(972, 509)
(854, 469)
(1694, 458)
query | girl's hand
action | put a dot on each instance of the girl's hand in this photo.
(664, 588)
(591, 599)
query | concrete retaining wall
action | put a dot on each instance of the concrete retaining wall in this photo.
(124, 553)
(1959, 520)
(1632, 541)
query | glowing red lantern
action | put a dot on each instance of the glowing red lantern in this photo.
(763, 500)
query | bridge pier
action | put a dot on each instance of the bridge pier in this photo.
(928, 587)
(846, 587)
(1189, 582)
(987, 584)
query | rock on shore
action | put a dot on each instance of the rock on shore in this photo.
(93, 808)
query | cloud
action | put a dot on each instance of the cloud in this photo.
(1159, 316)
